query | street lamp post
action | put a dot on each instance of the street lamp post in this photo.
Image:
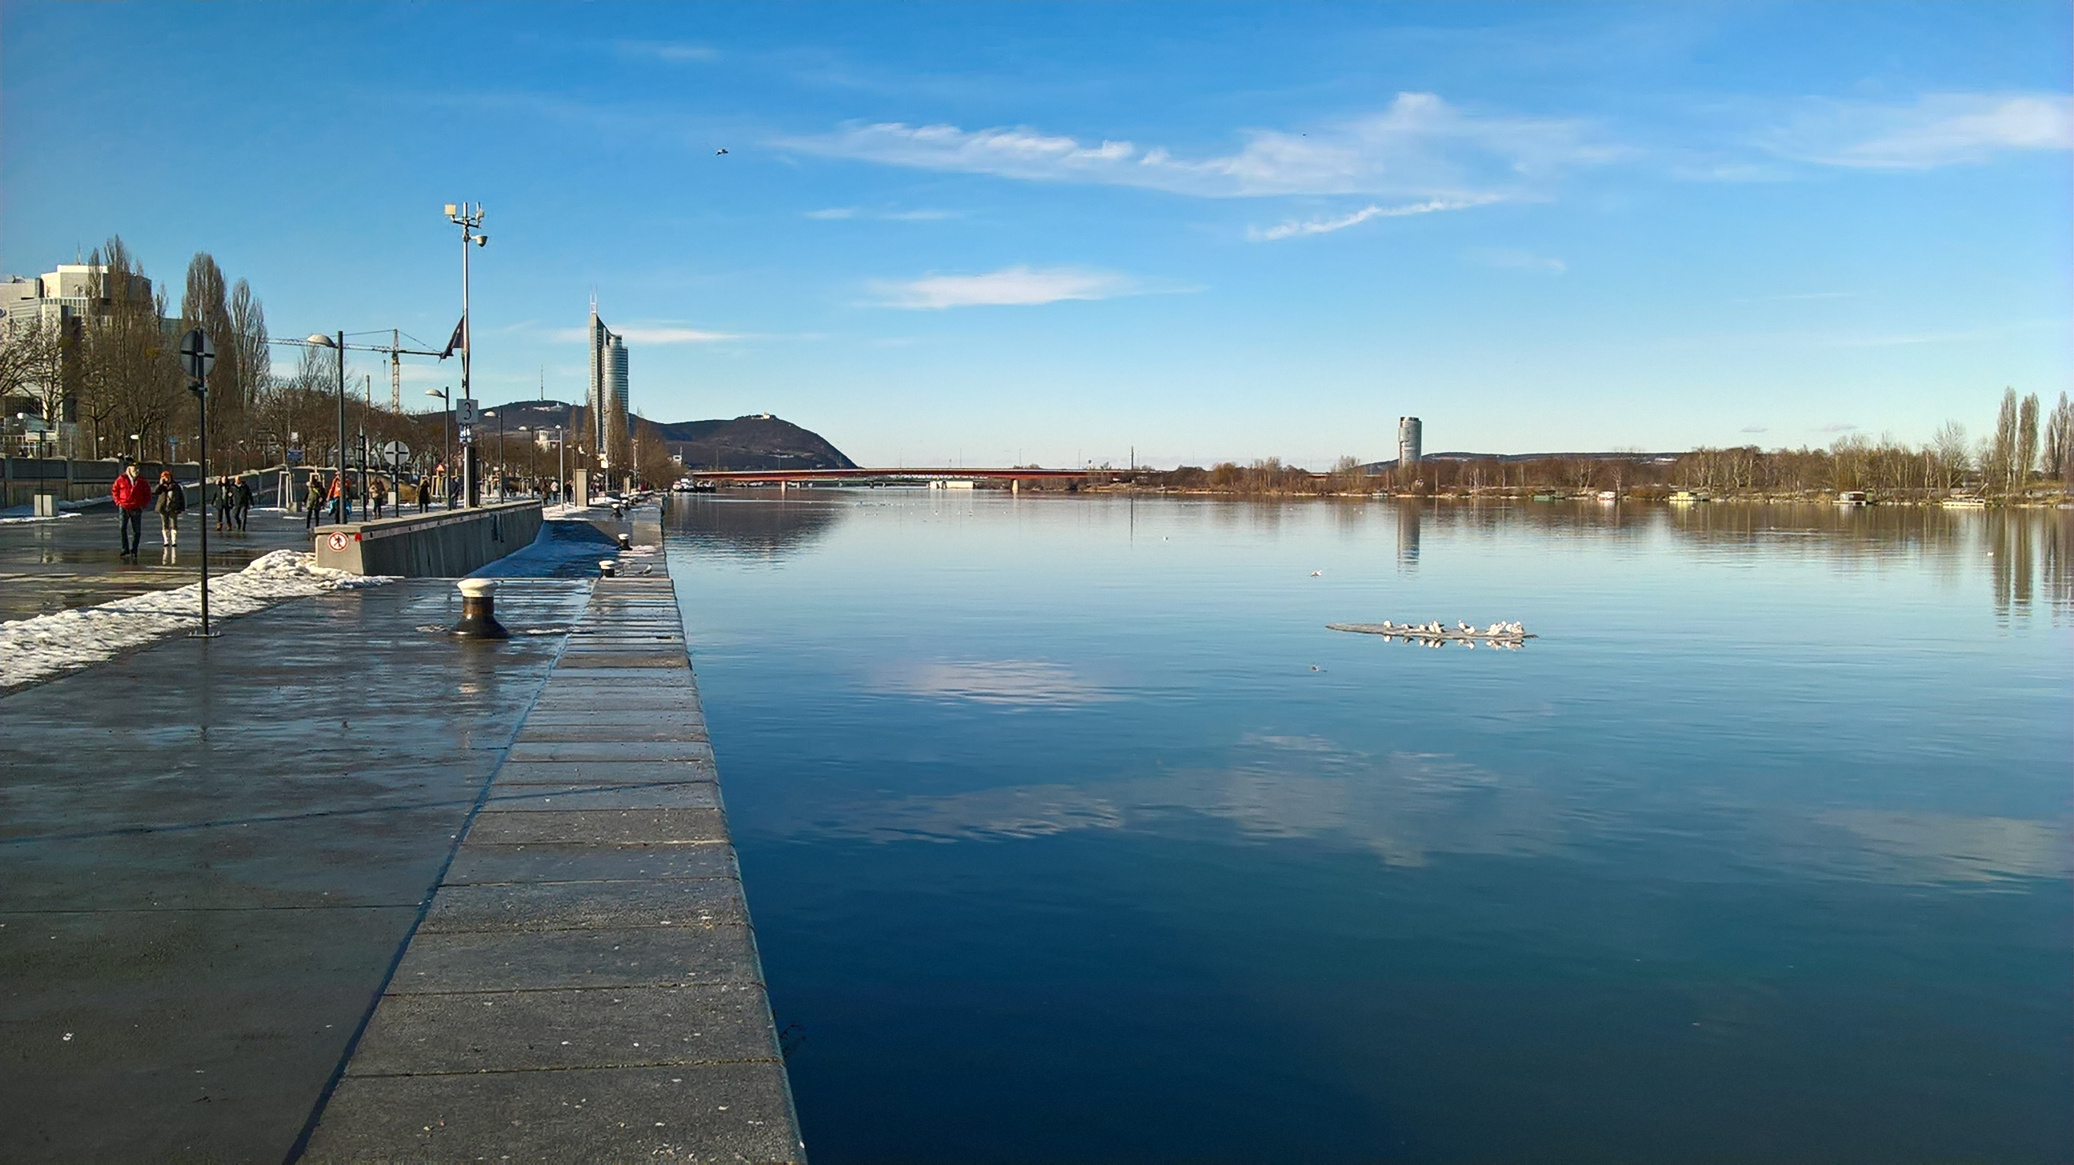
(446, 417)
(320, 340)
(469, 219)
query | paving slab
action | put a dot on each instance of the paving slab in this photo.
(520, 906)
(590, 863)
(488, 961)
(698, 1113)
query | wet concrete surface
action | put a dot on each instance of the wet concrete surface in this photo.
(71, 562)
(212, 852)
(585, 985)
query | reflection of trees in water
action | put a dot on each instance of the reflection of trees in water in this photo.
(752, 527)
(2030, 548)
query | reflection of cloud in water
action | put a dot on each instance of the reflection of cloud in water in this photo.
(1399, 807)
(1404, 808)
(1941, 847)
(1007, 681)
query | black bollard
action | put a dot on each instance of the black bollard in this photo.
(478, 611)
(626, 542)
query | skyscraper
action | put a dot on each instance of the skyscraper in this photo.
(607, 398)
(1408, 438)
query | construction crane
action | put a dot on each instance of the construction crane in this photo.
(396, 352)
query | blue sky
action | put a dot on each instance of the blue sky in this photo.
(1051, 233)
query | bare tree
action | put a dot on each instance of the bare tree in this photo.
(2026, 458)
(2059, 442)
(1998, 457)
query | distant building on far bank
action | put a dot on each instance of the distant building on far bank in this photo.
(1409, 434)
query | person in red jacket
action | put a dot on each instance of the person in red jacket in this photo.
(132, 496)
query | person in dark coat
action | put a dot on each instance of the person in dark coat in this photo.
(132, 496)
(225, 499)
(241, 503)
(170, 501)
(424, 493)
(313, 500)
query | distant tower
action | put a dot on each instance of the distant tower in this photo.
(607, 398)
(1408, 438)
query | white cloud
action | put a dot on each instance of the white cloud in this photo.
(840, 213)
(675, 52)
(1010, 286)
(1418, 146)
(1325, 226)
(664, 333)
(1516, 260)
(1938, 130)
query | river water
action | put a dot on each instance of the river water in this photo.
(1071, 833)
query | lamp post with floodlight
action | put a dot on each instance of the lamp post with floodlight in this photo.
(469, 218)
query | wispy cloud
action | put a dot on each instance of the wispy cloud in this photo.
(1516, 260)
(654, 333)
(1837, 427)
(673, 51)
(1010, 286)
(844, 213)
(1417, 146)
(1942, 129)
(1324, 226)
(1754, 429)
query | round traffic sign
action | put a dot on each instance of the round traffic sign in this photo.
(336, 542)
(197, 355)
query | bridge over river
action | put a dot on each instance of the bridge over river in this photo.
(903, 476)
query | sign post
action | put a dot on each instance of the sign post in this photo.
(197, 357)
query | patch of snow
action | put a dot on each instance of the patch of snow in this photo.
(33, 518)
(38, 648)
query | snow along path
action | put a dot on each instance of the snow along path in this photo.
(37, 649)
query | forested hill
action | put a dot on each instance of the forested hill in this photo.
(759, 441)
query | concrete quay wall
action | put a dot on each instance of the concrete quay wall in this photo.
(584, 984)
(446, 544)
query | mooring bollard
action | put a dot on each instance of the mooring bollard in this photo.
(626, 542)
(478, 610)
(607, 568)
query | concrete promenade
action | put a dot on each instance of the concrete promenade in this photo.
(75, 561)
(217, 857)
(585, 986)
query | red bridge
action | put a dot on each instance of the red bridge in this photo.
(925, 474)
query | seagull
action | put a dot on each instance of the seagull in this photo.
(1317, 574)
(720, 151)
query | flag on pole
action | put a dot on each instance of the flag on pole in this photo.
(458, 340)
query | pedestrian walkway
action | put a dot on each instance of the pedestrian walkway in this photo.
(212, 851)
(61, 564)
(585, 985)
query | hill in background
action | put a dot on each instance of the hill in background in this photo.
(758, 441)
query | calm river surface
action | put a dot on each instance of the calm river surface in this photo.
(1071, 833)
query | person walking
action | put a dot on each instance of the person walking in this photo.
(132, 496)
(170, 501)
(241, 504)
(339, 502)
(313, 500)
(424, 493)
(224, 500)
(377, 496)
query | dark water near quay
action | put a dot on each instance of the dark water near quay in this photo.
(1071, 834)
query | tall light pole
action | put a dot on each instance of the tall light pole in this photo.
(469, 219)
(446, 435)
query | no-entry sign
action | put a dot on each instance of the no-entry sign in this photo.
(336, 542)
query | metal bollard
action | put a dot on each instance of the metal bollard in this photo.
(626, 542)
(607, 568)
(478, 610)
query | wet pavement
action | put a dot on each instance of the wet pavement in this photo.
(211, 852)
(76, 561)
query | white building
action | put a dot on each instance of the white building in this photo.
(73, 291)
